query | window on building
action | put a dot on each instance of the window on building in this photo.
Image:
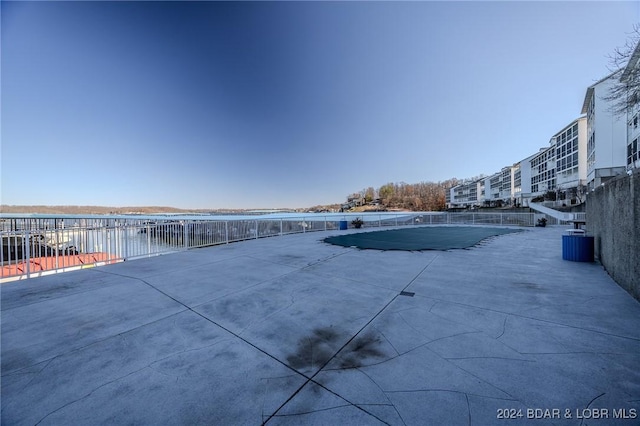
(632, 152)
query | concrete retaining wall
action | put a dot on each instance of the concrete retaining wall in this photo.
(613, 218)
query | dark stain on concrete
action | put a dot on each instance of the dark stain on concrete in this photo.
(289, 257)
(314, 350)
(317, 349)
(359, 349)
(530, 286)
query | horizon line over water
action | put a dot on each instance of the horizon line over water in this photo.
(216, 216)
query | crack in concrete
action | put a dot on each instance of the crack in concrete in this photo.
(473, 375)
(274, 263)
(89, 394)
(394, 289)
(488, 357)
(404, 320)
(384, 393)
(447, 360)
(578, 353)
(179, 329)
(150, 366)
(277, 311)
(295, 269)
(450, 391)
(398, 354)
(364, 366)
(466, 394)
(303, 413)
(163, 373)
(504, 327)
(413, 308)
(179, 269)
(76, 291)
(412, 349)
(467, 325)
(330, 275)
(21, 372)
(240, 290)
(34, 374)
(309, 264)
(311, 380)
(120, 334)
(387, 340)
(184, 351)
(453, 335)
(538, 319)
(589, 404)
(466, 397)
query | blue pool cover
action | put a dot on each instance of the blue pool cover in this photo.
(421, 238)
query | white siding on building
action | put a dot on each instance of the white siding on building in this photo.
(633, 139)
(571, 155)
(543, 171)
(606, 135)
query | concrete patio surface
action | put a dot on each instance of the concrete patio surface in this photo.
(291, 330)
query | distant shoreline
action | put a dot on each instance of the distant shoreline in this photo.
(115, 210)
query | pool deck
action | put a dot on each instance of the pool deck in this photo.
(290, 330)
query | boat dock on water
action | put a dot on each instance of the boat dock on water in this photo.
(45, 252)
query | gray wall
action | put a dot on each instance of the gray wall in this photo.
(613, 218)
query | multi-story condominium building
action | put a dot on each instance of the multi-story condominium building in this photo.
(559, 168)
(506, 184)
(473, 192)
(606, 134)
(525, 181)
(583, 155)
(571, 159)
(465, 194)
(516, 190)
(633, 140)
(537, 175)
(543, 171)
(628, 76)
(498, 189)
(461, 195)
(494, 183)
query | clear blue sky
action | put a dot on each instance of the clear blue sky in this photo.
(284, 104)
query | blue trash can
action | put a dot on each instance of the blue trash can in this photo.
(577, 248)
(343, 225)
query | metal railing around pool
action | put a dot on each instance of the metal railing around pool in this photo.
(35, 245)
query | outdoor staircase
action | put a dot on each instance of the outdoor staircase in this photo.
(552, 212)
